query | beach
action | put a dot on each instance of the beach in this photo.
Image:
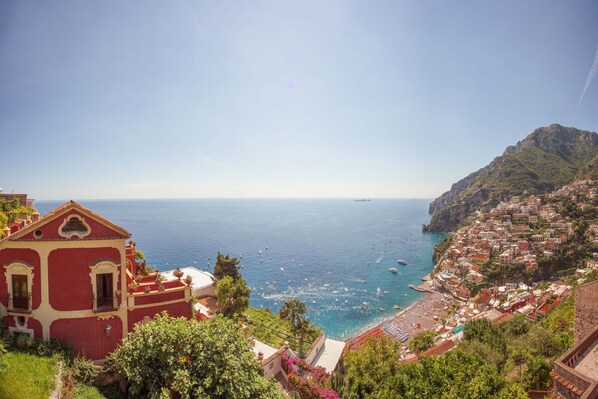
(424, 314)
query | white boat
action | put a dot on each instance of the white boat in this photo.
(402, 261)
(393, 270)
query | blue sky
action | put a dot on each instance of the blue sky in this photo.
(144, 99)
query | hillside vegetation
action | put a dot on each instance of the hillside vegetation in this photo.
(548, 158)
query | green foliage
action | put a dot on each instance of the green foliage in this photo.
(374, 371)
(40, 347)
(485, 351)
(371, 369)
(141, 263)
(522, 350)
(516, 327)
(226, 266)
(27, 376)
(77, 372)
(274, 331)
(3, 221)
(83, 370)
(2, 352)
(537, 375)
(11, 211)
(422, 341)
(201, 360)
(293, 310)
(559, 324)
(442, 246)
(232, 296)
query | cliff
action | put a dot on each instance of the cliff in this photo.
(548, 158)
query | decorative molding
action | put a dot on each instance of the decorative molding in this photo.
(18, 268)
(27, 331)
(105, 267)
(70, 234)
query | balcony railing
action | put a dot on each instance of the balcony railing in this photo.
(105, 303)
(20, 304)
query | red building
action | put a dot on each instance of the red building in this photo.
(71, 275)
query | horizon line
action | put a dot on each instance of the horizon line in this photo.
(235, 198)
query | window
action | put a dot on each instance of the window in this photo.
(19, 278)
(74, 226)
(104, 281)
(104, 292)
(20, 293)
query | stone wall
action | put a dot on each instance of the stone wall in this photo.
(586, 309)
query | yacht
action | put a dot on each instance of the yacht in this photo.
(402, 261)
(393, 270)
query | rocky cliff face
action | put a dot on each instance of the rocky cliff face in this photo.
(445, 199)
(546, 159)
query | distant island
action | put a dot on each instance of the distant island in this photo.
(363, 200)
(545, 160)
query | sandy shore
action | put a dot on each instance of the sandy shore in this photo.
(416, 318)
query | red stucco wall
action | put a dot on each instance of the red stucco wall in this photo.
(181, 309)
(68, 276)
(29, 257)
(164, 297)
(50, 229)
(88, 336)
(32, 324)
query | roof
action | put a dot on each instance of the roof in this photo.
(493, 314)
(439, 349)
(265, 349)
(503, 318)
(62, 209)
(200, 280)
(329, 354)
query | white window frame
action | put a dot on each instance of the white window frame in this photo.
(19, 268)
(71, 234)
(104, 267)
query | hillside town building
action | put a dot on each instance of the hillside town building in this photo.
(72, 275)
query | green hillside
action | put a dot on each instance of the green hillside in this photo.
(548, 158)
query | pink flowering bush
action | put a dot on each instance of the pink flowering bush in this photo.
(307, 381)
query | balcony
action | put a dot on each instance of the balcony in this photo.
(102, 304)
(19, 304)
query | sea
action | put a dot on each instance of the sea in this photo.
(333, 254)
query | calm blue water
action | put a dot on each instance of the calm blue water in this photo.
(317, 249)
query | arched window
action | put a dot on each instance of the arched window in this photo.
(74, 226)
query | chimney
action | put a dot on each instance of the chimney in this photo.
(6, 231)
(260, 356)
(35, 217)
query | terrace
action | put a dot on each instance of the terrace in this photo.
(576, 372)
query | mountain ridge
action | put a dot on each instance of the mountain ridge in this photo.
(546, 159)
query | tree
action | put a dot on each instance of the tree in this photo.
(537, 375)
(422, 341)
(374, 371)
(371, 369)
(202, 360)
(226, 266)
(3, 222)
(519, 357)
(141, 263)
(232, 296)
(293, 310)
